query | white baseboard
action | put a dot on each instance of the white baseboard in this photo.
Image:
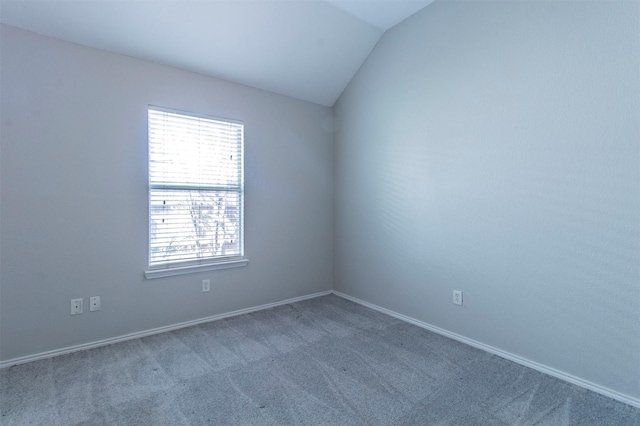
(522, 361)
(104, 342)
(534, 365)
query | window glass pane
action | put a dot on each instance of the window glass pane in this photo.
(189, 225)
(200, 152)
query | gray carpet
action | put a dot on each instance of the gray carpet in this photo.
(324, 361)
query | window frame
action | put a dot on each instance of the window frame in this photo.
(179, 267)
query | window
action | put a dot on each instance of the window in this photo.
(195, 193)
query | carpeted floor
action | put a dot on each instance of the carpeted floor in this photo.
(324, 361)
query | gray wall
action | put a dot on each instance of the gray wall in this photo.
(74, 195)
(493, 148)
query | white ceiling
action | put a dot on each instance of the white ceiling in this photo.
(306, 49)
(382, 14)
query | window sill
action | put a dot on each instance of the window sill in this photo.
(169, 272)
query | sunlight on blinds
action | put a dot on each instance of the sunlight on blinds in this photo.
(195, 188)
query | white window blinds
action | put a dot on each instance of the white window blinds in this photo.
(195, 189)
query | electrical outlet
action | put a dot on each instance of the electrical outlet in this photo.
(94, 303)
(457, 297)
(206, 285)
(76, 306)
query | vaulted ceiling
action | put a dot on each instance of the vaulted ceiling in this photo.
(306, 49)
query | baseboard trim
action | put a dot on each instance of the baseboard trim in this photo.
(515, 358)
(136, 335)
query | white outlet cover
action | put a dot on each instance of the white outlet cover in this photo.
(206, 285)
(94, 303)
(457, 297)
(76, 306)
